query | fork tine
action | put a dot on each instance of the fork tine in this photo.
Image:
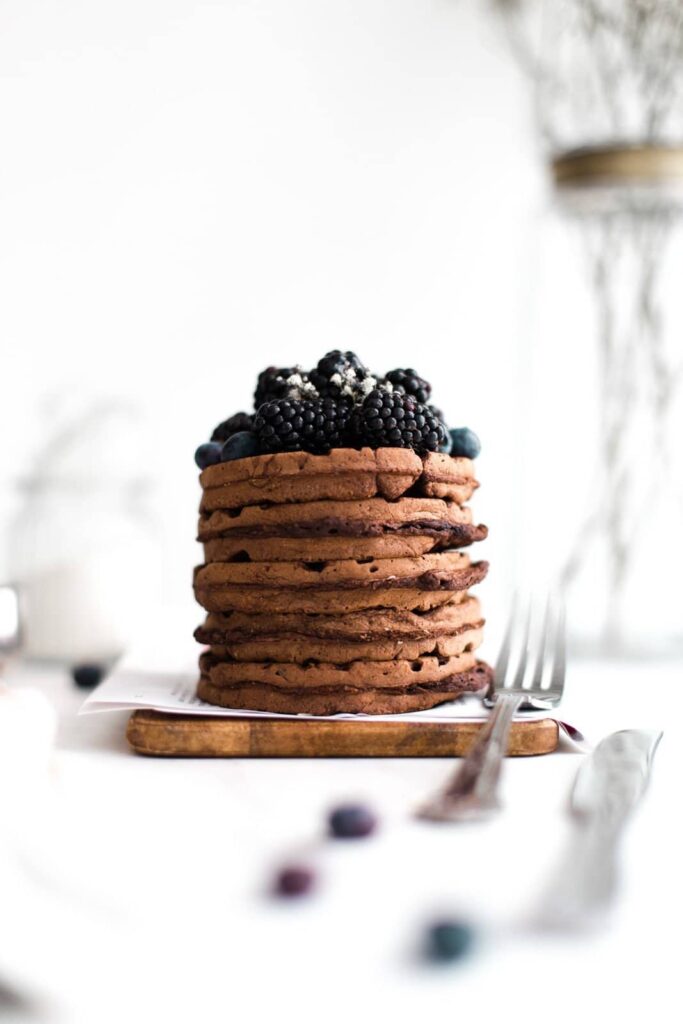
(559, 653)
(518, 681)
(503, 659)
(542, 652)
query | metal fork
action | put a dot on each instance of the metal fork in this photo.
(533, 682)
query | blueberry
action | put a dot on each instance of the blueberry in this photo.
(465, 443)
(449, 940)
(352, 821)
(447, 445)
(240, 446)
(294, 880)
(207, 454)
(87, 676)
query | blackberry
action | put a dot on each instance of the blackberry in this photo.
(272, 384)
(233, 425)
(410, 383)
(338, 373)
(447, 442)
(311, 425)
(390, 419)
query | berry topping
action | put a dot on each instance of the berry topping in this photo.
(340, 403)
(352, 821)
(410, 383)
(234, 424)
(394, 420)
(240, 446)
(289, 425)
(271, 384)
(447, 442)
(294, 880)
(339, 373)
(465, 443)
(449, 940)
(86, 676)
(208, 454)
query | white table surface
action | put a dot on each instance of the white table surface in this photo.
(137, 889)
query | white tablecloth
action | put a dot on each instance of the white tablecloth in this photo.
(137, 889)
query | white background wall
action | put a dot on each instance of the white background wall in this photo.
(190, 191)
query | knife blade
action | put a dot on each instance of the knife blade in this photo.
(612, 779)
(608, 787)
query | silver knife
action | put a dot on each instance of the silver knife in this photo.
(608, 786)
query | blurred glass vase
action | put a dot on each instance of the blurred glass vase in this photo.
(81, 549)
(603, 463)
(603, 458)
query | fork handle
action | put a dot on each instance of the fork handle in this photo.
(473, 791)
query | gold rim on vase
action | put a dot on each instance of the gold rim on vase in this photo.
(618, 165)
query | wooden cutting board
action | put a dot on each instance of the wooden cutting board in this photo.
(164, 735)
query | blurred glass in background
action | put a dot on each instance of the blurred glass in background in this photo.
(603, 475)
(80, 546)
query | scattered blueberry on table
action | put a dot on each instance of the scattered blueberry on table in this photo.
(465, 443)
(449, 940)
(294, 880)
(352, 821)
(339, 403)
(87, 676)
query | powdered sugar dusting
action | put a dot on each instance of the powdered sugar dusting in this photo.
(301, 388)
(369, 384)
(346, 381)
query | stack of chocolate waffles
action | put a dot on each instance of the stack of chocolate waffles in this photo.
(338, 582)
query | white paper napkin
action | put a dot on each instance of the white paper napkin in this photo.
(143, 682)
